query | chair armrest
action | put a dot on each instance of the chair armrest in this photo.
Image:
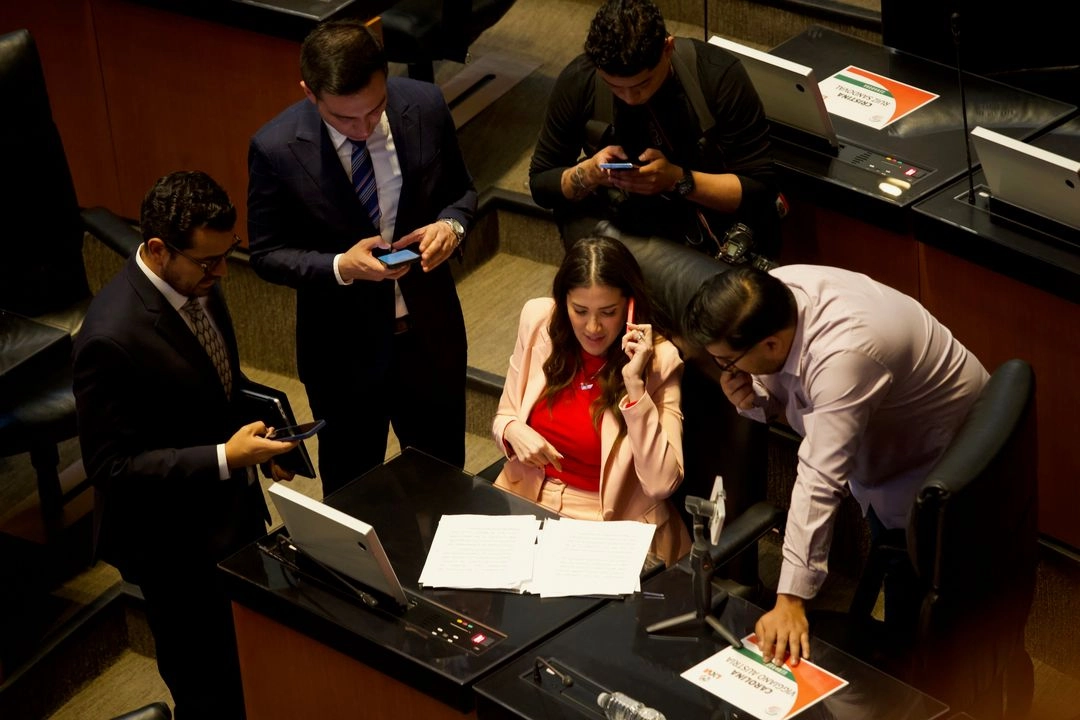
(745, 531)
(111, 229)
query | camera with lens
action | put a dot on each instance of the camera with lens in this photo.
(737, 248)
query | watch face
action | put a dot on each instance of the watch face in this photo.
(685, 185)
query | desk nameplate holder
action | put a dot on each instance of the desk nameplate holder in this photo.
(423, 615)
(1021, 219)
(556, 678)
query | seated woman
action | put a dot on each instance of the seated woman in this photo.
(589, 417)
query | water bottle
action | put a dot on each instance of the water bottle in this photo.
(618, 706)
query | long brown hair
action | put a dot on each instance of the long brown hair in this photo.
(591, 262)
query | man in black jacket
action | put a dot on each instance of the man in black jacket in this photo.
(157, 379)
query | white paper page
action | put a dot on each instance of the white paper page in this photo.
(589, 557)
(492, 552)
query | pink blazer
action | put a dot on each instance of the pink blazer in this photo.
(639, 470)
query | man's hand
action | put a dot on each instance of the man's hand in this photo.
(739, 389)
(358, 263)
(784, 631)
(656, 175)
(579, 181)
(637, 343)
(280, 474)
(249, 446)
(436, 242)
(530, 447)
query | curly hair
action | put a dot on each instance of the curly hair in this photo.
(591, 262)
(626, 37)
(339, 57)
(180, 203)
(740, 307)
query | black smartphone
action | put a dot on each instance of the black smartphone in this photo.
(297, 432)
(401, 258)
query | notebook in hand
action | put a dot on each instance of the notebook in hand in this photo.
(262, 402)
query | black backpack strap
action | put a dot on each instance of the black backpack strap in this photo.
(597, 130)
(684, 60)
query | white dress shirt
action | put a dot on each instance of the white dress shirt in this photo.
(177, 300)
(384, 160)
(877, 388)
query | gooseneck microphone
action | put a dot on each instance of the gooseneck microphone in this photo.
(954, 23)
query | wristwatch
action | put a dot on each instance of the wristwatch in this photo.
(685, 185)
(459, 231)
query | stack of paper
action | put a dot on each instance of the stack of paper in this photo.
(555, 558)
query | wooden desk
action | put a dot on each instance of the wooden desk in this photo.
(308, 651)
(1009, 291)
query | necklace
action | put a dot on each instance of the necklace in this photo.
(587, 383)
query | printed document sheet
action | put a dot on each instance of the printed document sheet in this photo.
(552, 558)
(869, 98)
(762, 689)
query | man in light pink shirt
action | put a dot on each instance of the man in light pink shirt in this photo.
(873, 383)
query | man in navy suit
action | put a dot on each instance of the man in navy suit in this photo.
(164, 441)
(364, 165)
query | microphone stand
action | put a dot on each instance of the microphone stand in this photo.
(706, 598)
(954, 24)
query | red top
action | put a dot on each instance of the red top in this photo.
(567, 424)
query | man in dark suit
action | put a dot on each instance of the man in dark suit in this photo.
(164, 440)
(363, 165)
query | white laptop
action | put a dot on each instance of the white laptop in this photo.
(789, 91)
(1029, 177)
(338, 541)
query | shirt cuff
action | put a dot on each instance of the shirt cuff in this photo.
(799, 581)
(337, 274)
(223, 465)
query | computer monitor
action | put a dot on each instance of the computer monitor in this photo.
(789, 91)
(337, 541)
(1029, 177)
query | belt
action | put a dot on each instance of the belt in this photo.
(402, 324)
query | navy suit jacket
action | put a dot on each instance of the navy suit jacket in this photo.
(151, 412)
(302, 211)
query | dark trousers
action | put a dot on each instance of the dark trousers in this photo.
(422, 397)
(903, 596)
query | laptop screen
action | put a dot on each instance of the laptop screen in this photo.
(1029, 177)
(339, 541)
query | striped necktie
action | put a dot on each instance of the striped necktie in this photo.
(211, 342)
(363, 179)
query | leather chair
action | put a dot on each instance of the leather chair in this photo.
(153, 711)
(42, 276)
(419, 32)
(971, 546)
(716, 439)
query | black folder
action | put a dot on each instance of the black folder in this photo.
(271, 405)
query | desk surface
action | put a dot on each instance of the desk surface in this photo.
(404, 500)
(1036, 256)
(931, 137)
(612, 649)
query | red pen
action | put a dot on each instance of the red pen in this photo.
(630, 311)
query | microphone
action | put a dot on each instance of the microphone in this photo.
(618, 706)
(954, 23)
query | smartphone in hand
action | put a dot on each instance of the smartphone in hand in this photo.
(398, 259)
(297, 432)
(617, 166)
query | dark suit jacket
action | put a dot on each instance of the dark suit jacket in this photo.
(151, 412)
(302, 211)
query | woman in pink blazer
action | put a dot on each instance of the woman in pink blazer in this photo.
(589, 417)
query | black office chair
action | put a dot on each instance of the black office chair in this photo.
(716, 439)
(42, 276)
(419, 32)
(971, 551)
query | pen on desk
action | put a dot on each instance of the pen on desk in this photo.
(652, 595)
